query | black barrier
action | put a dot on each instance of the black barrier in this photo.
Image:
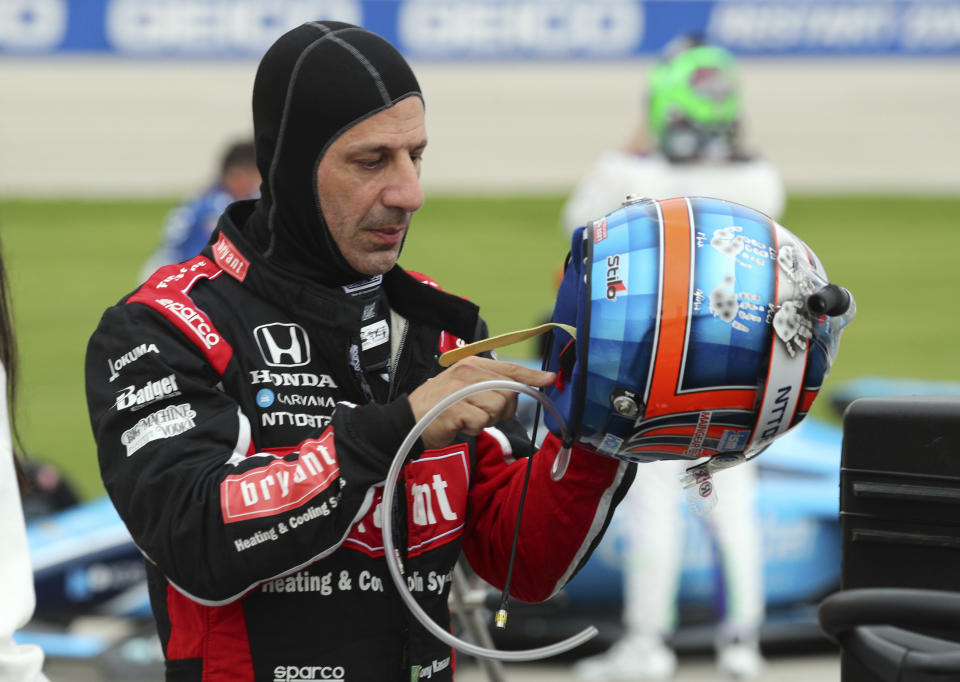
(876, 629)
(900, 523)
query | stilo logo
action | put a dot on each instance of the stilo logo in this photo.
(616, 275)
(283, 344)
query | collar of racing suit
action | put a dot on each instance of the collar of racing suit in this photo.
(408, 296)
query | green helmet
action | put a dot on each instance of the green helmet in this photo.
(694, 86)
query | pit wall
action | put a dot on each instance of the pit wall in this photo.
(102, 126)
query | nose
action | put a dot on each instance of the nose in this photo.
(404, 190)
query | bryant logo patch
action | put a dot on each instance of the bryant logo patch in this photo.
(436, 504)
(280, 485)
(226, 255)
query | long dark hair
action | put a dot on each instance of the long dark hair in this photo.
(8, 356)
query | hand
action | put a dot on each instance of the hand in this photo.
(793, 326)
(474, 413)
(745, 251)
(723, 301)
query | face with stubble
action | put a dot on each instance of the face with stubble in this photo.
(368, 185)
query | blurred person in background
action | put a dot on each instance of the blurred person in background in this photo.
(48, 490)
(18, 662)
(690, 143)
(189, 225)
(693, 123)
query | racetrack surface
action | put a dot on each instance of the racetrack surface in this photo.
(822, 667)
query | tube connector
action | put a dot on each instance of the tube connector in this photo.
(831, 300)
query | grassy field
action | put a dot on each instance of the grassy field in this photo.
(69, 260)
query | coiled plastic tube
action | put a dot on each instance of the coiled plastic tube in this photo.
(393, 561)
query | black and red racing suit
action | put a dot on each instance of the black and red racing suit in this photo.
(237, 442)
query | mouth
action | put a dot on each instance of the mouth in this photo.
(387, 235)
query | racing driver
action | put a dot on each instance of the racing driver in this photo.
(247, 404)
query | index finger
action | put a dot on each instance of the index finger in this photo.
(511, 370)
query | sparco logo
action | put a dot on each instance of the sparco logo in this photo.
(133, 354)
(283, 345)
(616, 276)
(288, 673)
(134, 398)
(193, 319)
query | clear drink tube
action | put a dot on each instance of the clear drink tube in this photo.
(394, 565)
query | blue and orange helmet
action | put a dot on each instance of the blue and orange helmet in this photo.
(704, 329)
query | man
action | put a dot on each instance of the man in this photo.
(248, 402)
(693, 117)
(689, 144)
(188, 227)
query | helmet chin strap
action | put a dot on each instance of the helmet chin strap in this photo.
(392, 554)
(507, 339)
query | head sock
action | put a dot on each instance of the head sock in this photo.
(315, 82)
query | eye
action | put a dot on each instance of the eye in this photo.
(370, 164)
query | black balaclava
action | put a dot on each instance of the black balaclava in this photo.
(315, 82)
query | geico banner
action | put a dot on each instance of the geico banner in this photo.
(485, 29)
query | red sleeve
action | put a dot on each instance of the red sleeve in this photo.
(563, 520)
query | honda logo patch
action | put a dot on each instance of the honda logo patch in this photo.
(283, 345)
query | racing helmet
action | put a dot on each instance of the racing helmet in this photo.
(703, 329)
(693, 105)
